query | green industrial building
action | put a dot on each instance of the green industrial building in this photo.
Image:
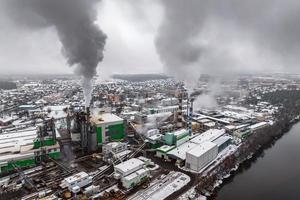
(24, 149)
(176, 138)
(109, 127)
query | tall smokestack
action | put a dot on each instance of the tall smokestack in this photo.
(190, 118)
(74, 21)
(179, 112)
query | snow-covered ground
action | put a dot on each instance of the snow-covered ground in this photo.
(162, 188)
(191, 194)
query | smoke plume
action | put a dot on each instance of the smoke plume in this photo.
(227, 37)
(82, 40)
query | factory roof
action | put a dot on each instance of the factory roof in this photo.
(180, 151)
(6, 119)
(12, 142)
(76, 177)
(165, 148)
(201, 149)
(201, 116)
(13, 157)
(106, 118)
(209, 135)
(17, 135)
(129, 165)
(114, 144)
(57, 112)
(221, 140)
(258, 125)
(180, 132)
(155, 137)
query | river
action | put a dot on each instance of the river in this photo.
(274, 175)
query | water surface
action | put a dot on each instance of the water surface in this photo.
(275, 175)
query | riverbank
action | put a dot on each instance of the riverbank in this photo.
(245, 163)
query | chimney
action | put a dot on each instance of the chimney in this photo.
(190, 118)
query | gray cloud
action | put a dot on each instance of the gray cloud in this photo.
(226, 37)
(74, 21)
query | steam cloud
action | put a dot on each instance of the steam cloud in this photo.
(228, 37)
(82, 40)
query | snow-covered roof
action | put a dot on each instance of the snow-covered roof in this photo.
(13, 157)
(165, 148)
(222, 139)
(106, 118)
(208, 135)
(14, 140)
(76, 177)
(129, 165)
(258, 125)
(180, 151)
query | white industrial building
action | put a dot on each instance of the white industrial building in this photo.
(77, 181)
(114, 147)
(135, 178)
(128, 167)
(132, 172)
(14, 142)
(201, 155)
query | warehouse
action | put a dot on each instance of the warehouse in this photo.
(109, 127)
(200, 156)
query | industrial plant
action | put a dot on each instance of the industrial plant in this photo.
(136, 140)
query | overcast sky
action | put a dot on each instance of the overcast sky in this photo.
(152, 36)
(129, 46)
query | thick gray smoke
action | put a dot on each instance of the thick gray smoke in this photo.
(227, 37)
(82, 40)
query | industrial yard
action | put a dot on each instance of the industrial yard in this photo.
(133, 142)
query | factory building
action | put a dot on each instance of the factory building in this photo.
(169, 102)
(176, 138)
(135, 178)
(77, 181)
(109, 127)
(24, 149)
(114, 150)
(114, 147)
(132, 172)
(222, 142)
(201, 155)
(162, 151)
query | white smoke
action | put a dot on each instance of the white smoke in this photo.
(87, 85)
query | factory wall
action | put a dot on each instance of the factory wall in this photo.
(29, 161)
(135, 179)
(115, 132)
(47, 142)
(196, 163)
(21, 164)
(99, 135)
